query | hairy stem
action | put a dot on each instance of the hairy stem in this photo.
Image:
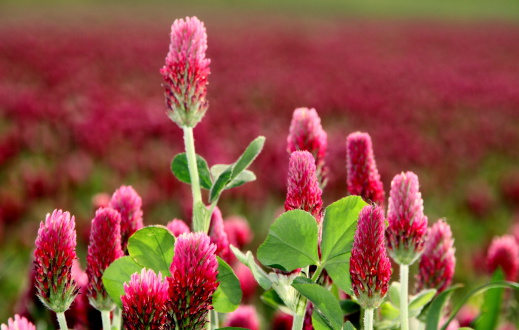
(62, 321)
(105, 317)
(368, 319)
(189, 143)
(298, 321)
(404, 279)
(116, 321)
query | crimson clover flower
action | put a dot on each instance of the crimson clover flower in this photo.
(18, 323)
(177, 227)
(504, 252)
(245, 316)
(128, 203)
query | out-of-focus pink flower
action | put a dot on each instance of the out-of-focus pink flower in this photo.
(504, 252)
(306, 133)
(219, 236)
(363, 178)
(453, 325)
(405, 235)
(515, 232)
(370, 268)
(507, 326)
(193, 282)
(128, 203)
(238, 231)
(245, 316)
(247, 282)
(103, 249)
(18, 323)
(466, 315)
(101, 200)
(186, 72)
(436, 267)
(177, 227)
(55, 252)
(145, 301)
(282, 321)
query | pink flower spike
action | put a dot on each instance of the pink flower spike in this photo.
(370, 268)
(128, 203)
(437, 263)
(363, 178)
(219, 236)
(193, 282)
(186, 71)
(55, 252)
(238, 231)
(18, 323)
(245, 316)
(177, 227)
(104, 248)
(145, 301)
(504, 252)
(407, 228)
(306, 133)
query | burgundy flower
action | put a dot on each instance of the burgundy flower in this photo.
(407, 228)
(504, 252)
(128, 203)
(306, 133)
(363, 178)
(437, 263)
(18, 323)
(370, 268)
(177, 227)
(145, 301)
(282, 321)
(104, 248)
(193, 282)
(55, 252)
(245, 316)
(219, 236)
(238, 231)
(186, 72)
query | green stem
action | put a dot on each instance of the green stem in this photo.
(116, 321)
(404, 296)
(368, 319)
(317, 273)
(299, 320)
(105, 317)
(213, 320)
(189, 143)
(62, 321)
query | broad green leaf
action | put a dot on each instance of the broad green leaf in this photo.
(418, 302)
(248, 156)
(337, 272)
(119, 272)
(153, 247)
(219, 184)
(435, 310)
(180, 169)
(319, 322)
(348, 326)
(349, 306)
(491, 307)
(248, 260)
(218, 169)
(242, 178)
(272, 299)
(389, 311)
(394, 294)
(228, 295)
(324, 302)
(291, 242)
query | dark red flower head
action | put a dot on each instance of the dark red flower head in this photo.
(504, 253)
(128, 203)
(177, 227)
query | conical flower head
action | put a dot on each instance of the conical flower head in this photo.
(245, 316)
(303, 190)
(363, 178)
(193, 282)
(306, 133)
(104, 248)
(177, 227)
(55, 252)
(145, 301)
(407, 228)
(370, 267)
(128, 203)
(186, 71)
(219, 236)
(18, 323)
(504, 252)
(437, 263)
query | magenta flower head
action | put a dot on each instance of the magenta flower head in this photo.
(128, 203)
(193, 282)
(363, 178)
(177, 227)
(104, 248)
(437, 263)
(186, 72)
(245, 316)
(504, 252)
(18, 323)
(303, 190)
(306, 133)
(145, 301)
(238, 231)
(407, 228)
(219, 236)
(55, 252)
(370, 268)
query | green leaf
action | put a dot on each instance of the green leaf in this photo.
(119, 272)
(389, 311)
(219, 184)
(349, 306)
(319, 322)
(418, 302)
(291, 242)
(324, 302)
(336, 271)
(348, 326)
(491, 307)
(180, 169)
(271, 298)
(435, 310)
(248, 156)
(228, 295)
(153, 247)
(248, 260)
(394, 294)
(242, 178)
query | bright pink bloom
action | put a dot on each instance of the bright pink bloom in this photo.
(363, 178)
(407, 228)
(104, 248)
(370, 268)
(145, 301)
(193, 282)
(186, 72)
(437, 263)
(247, 282)
(238, 231)
(128, 203)
(306, 133)
(177, 227)
(101, 200)
(467, 315)
(504, 252)
(245, 316)
(18, 323)
(219, 236)
(55, 252)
